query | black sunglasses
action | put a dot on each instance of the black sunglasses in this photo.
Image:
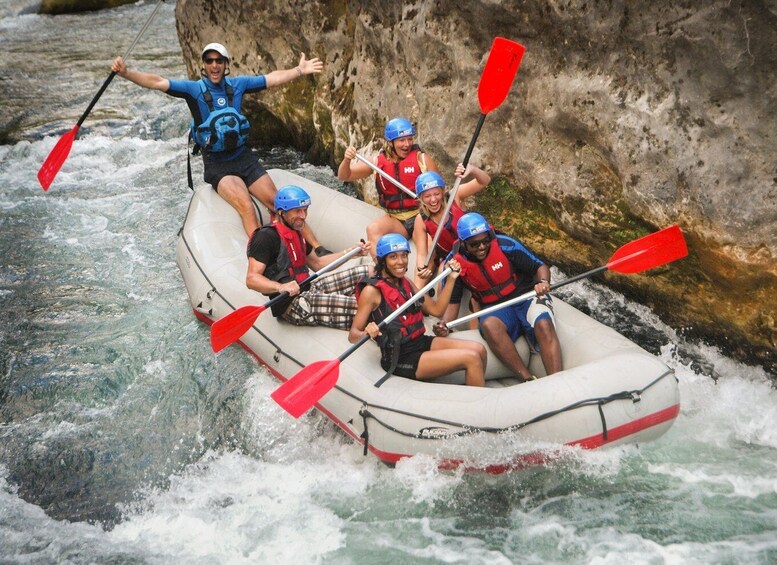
(473, 244)
(219, 60)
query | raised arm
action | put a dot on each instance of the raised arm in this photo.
(146, 80)
(352, 169)
(479, 181)
(305, 67)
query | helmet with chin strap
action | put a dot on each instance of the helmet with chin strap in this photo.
(218, 48)
(470, 225)
(290, 197)
(391, 243)
(398, 127)
(428, 181)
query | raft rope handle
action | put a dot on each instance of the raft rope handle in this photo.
(604, 419)
(363, 412)
(633, 395)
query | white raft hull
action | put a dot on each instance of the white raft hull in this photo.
(611, 391)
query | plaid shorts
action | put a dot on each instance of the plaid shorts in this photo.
(329, 301)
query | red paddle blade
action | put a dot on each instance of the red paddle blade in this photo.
(54, 161)
(304, 389)
(499, 72)
(231, 327)
(650, 251)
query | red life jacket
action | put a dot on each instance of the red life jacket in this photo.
(405, 171)
(292, 259)
(449, 235)
(392, 297)
(490, 280)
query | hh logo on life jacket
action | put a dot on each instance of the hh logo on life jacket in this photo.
(409, 170)
(221, 101)
(496, 266)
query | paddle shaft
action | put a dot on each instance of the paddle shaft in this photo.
(398, 312)
(454, 190)
(231, 327)
(113, 73)
(322, 271)
(523, 297)
(386, 176)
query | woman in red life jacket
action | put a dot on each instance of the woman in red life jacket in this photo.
(401, 159)
(406, 350)
(431, 191)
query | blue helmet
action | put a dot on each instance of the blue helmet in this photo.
(470, 225)
(398, 127)
(428, 181)
(391, 243)
(290, 197)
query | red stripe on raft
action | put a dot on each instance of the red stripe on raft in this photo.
(630, 428)
(527, 460)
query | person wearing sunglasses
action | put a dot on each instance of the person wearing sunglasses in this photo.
(496, 270)
(219, 128)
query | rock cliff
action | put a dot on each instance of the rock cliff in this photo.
(622, 119)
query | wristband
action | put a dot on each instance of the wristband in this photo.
(299, 71)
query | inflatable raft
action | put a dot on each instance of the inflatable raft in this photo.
(610, 392)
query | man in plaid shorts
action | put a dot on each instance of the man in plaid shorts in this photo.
(279, 261)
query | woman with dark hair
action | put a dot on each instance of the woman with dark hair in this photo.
(406, 350)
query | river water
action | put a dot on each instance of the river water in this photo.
(125, 440)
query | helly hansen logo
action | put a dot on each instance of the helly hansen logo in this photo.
(409, 170)
(497, 266)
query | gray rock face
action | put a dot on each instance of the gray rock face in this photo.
(622, 114)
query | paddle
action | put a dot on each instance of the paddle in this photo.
(231, 327)
(61, 150)
(636, 256)
(386, 176)
(495, 82)
(312, 382)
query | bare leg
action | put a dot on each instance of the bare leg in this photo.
(380, 227)
(448, 356)
(264, 189)
(232, 189)
(550, 349)
(500, 343)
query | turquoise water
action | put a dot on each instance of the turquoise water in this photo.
(125, 440)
